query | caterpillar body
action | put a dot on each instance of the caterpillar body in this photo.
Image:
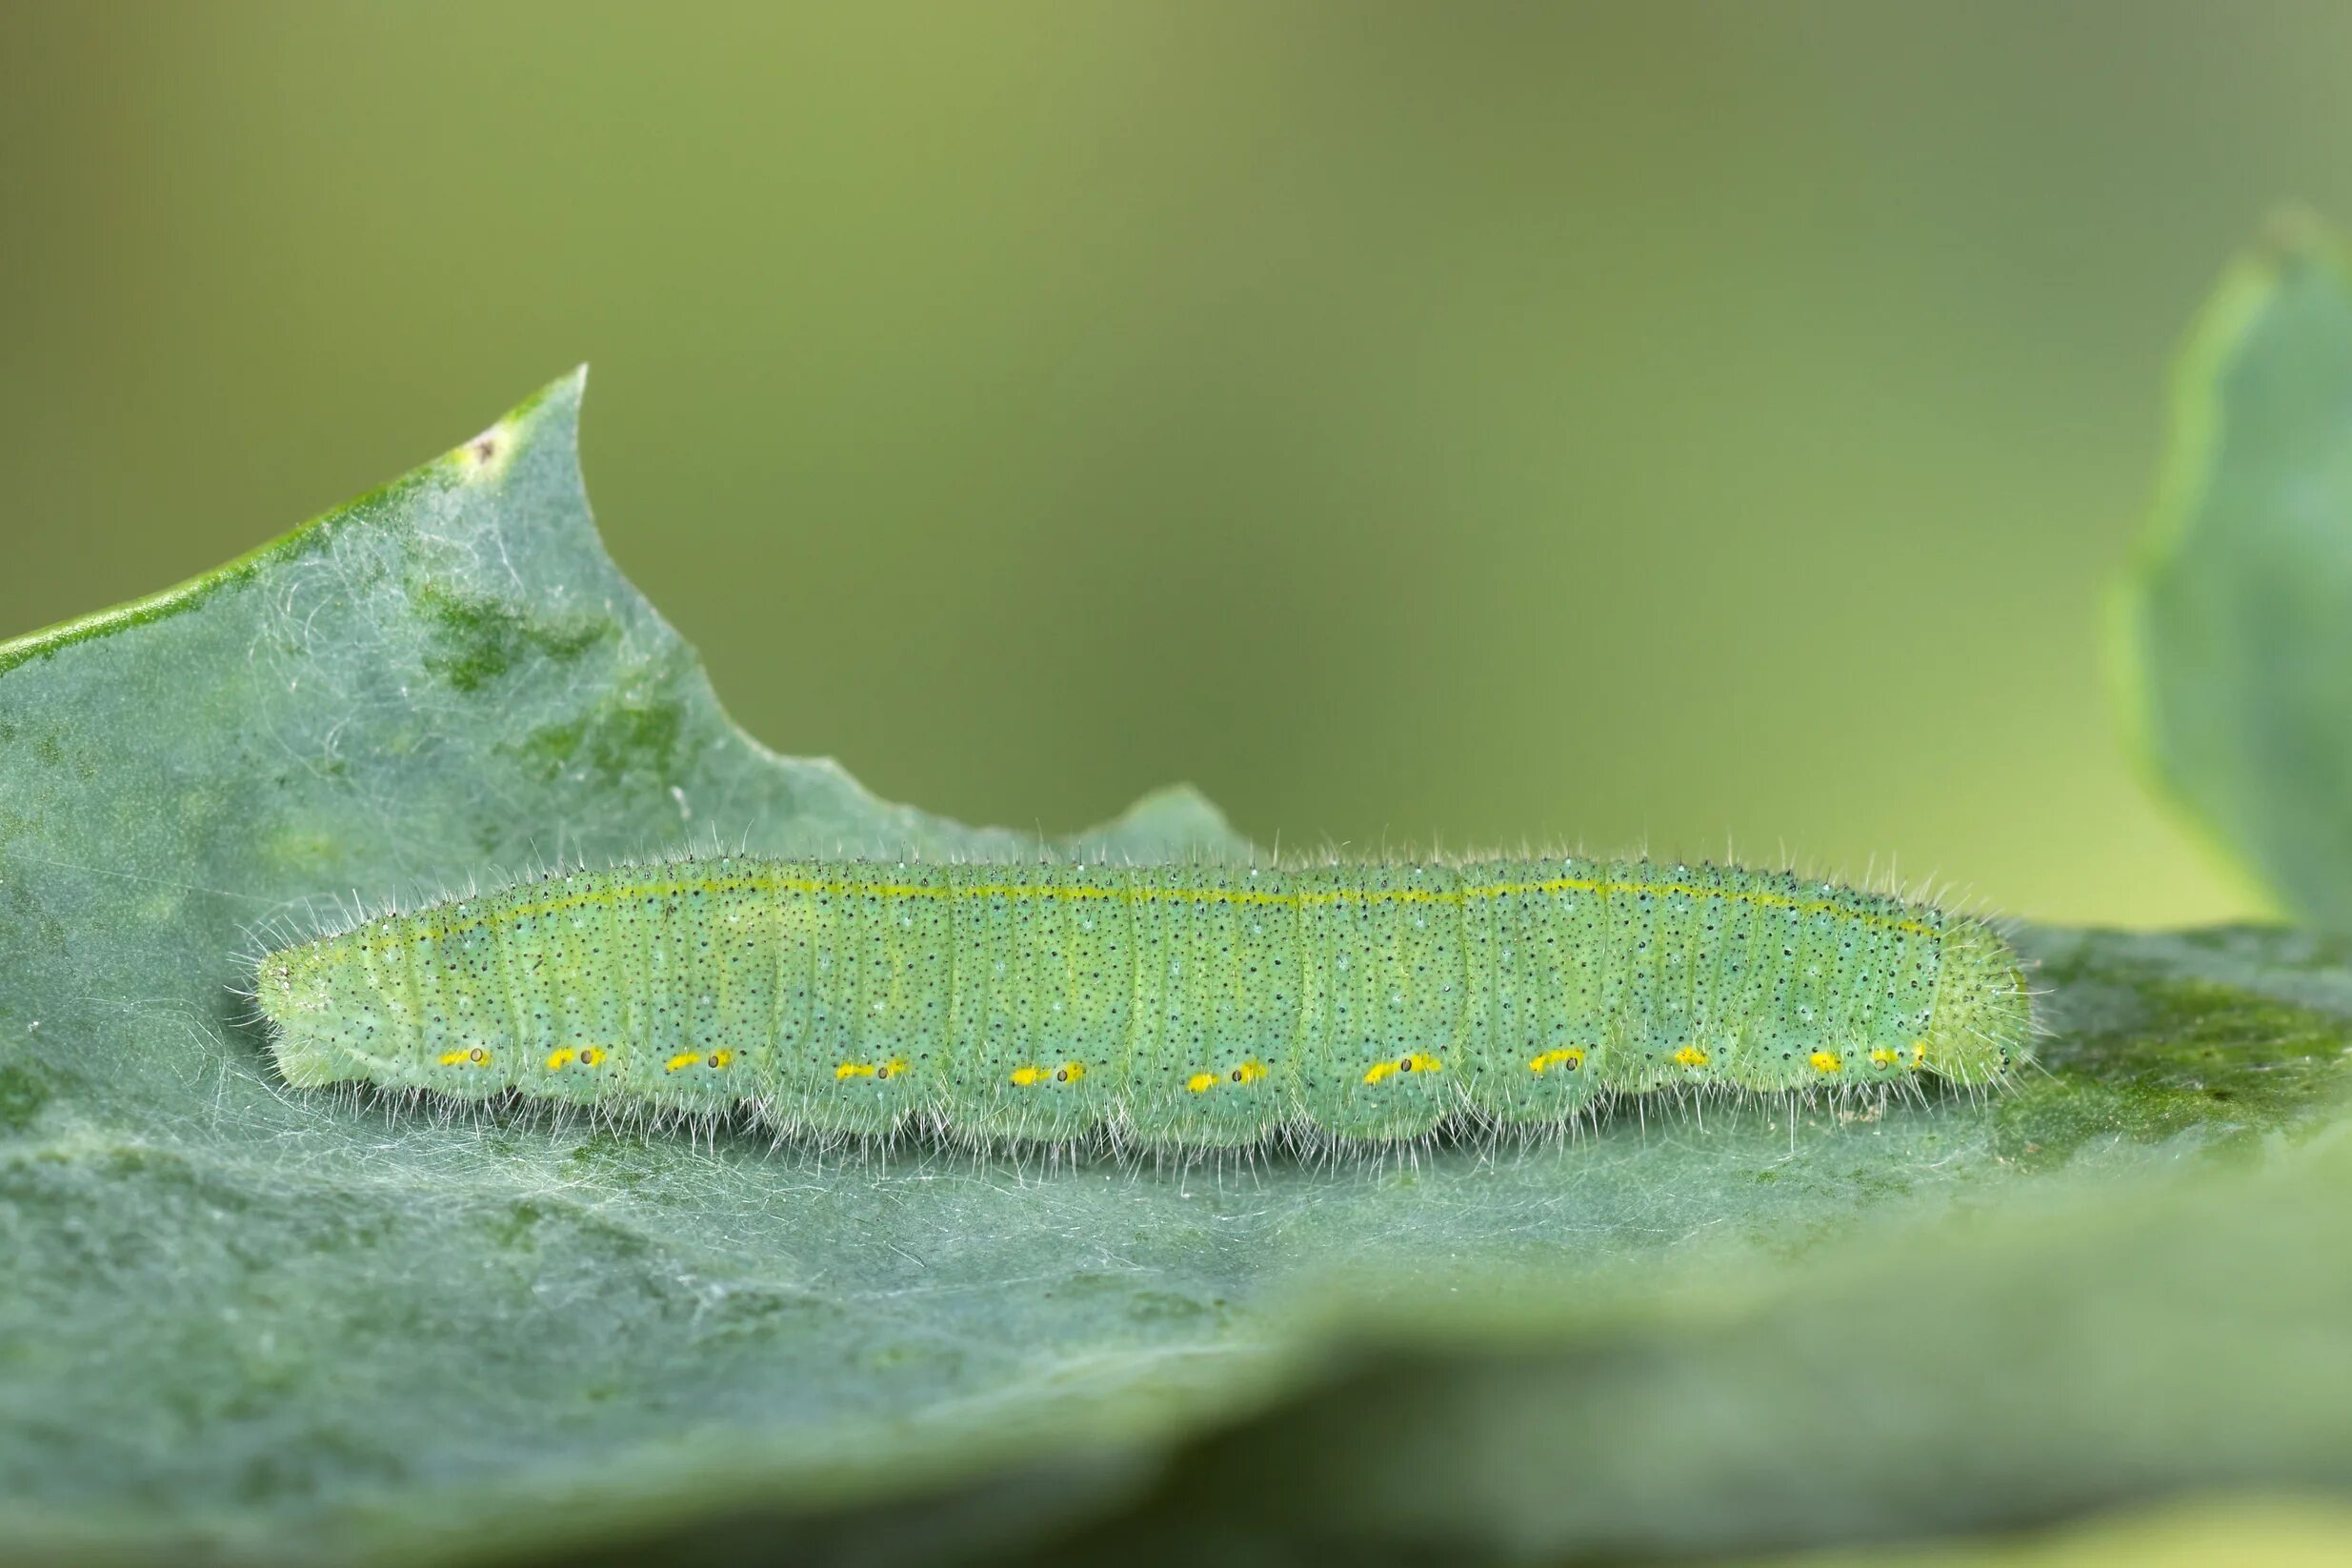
(1171, 1005)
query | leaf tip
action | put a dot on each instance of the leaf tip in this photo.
(487, 456)
(2294, 237)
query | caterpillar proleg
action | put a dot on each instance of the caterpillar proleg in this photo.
(1181, 1005)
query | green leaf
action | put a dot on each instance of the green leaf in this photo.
(2276, 1532)
(2234, 630)
(266, 1324)
(2063, 1358)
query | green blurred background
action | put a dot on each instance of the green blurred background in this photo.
(1668, 423)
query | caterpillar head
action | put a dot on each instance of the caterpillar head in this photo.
(1983, 1014)
(328, 1019)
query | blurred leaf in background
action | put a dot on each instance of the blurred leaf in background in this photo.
(2234, 630)
(2275, 1532)
(274, 1326)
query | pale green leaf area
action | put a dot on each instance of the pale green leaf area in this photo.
(2234, 631)
(2278, 1532)
(256, 1324)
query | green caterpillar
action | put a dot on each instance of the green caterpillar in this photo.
(1178, 1005)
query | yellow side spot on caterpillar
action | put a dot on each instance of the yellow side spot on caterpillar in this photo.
(1249, 1071)
(683, 1059)
(474, 1057)
(1200, 1083)
(1416, 1062)
(894, 1068)
(558, 1060)
(1826, 1061)
(1029, 1078)
(1690, 1056)
(853, 1070)
(1919, 1052)
(1885, 1057)
(592, 1056)
(1070, 1072)
(1571, 1058)
(720, 1060)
